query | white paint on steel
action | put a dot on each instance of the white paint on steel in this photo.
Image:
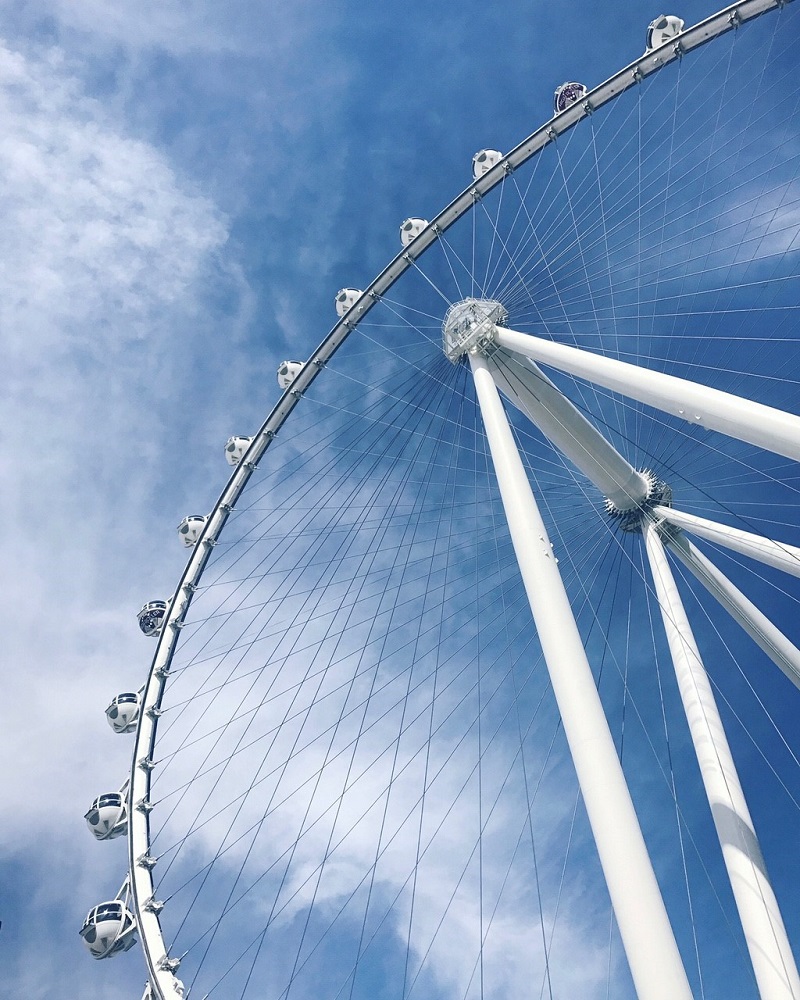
(532, 392)
(773, 964)
(647, 937)
(766, 550)
(755, 423)
(783, 653)
(162, 981)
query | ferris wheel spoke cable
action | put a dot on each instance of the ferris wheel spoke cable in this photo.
(756, 91)
(348, 746)
(306, 490)
(382, 827)
(205, 655)
(341, 508)
(295, 506)
(493, 221)
(449, 252)
(302, 825)
(726, 195)
(452, 615)
(451, 478)
(464, 670)
(466, 782)
(584, 242)
(379, 843)
(278, 627)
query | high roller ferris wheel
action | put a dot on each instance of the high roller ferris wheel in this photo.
(351, 755)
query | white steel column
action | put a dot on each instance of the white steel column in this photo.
(783, 653)
(531, 391)
(773, 963)
(754, 423)
(765, 550)
(655, 963)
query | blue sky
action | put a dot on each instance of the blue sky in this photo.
(184, 188)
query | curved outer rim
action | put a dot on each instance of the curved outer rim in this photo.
(160, 966)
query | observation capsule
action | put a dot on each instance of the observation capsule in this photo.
(109, 929)
(107, 817)
(190, 527)
(288, 372)
(123, 712)
(235, 449)
(411, 229)
(484, 160)
(566, 95)
(151, 617)
(662, 30)
(345, 299)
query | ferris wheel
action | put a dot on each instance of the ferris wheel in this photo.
(507, 589)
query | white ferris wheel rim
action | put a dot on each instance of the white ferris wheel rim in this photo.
(160, 965)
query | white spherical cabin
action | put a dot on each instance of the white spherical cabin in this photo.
(411, 229)
(566, 95)
(662, 30)
(123, 712)
(151, 617)
(190, 528)
(484, 160)
(235, 449)
(288, 372)
(109, 929)
(107, 817)
(345, 299)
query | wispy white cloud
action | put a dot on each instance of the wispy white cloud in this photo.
(105, 314)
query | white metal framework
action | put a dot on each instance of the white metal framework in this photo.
(371, 583)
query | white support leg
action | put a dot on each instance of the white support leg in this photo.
(647, 937)
(783, 653)
(740, 418)
(532, 392)
(765, 550)
(773, 963)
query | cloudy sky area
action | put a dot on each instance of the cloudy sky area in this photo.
(183, 188)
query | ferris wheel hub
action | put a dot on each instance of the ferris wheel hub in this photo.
(469, 326)
(632, 518)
